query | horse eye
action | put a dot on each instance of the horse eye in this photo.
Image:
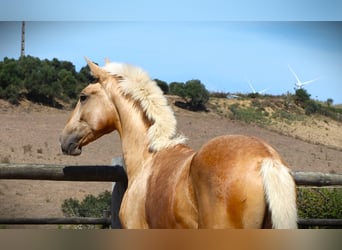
(83, 97)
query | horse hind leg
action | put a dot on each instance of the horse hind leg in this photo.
(280, 192)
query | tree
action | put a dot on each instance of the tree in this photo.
(330, 101)
(68, 83)
(302, 97)
(42, 81)
(177, 88)
(197, 93)
(193, 92)
(85, 75)
(162, 85)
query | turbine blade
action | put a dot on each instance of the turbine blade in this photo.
(295, 75)
(310, 81)
(262, 91)
(250, 85)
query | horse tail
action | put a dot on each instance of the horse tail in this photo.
(280, 190)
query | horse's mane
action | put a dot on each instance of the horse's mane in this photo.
(138, 85)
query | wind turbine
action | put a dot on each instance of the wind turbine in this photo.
(254, 91)
(299, 84)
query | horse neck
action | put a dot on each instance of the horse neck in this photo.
(132, 128)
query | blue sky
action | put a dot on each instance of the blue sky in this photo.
(222, 43)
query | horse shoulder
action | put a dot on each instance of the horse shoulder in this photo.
(169, 199)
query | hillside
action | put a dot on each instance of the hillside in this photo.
(287, 119)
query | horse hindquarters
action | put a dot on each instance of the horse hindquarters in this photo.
(237, 180)
(228, 185)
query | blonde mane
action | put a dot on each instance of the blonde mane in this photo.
(138, 85)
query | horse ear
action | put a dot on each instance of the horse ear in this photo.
(96, 70)
(107, 61)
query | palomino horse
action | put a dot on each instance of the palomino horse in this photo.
(233, 181)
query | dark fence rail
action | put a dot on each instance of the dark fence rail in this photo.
(331, 223)
(116, 173)
(106, 221)
(317, 179)
(52, 221)
(52, 172)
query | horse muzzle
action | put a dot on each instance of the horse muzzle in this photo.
(70, 145)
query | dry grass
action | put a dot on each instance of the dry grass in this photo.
(273, 114)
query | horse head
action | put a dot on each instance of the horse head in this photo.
(93, 116)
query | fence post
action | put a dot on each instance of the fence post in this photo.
(106, 216)
(118, 190)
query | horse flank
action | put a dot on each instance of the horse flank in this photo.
(137, 84)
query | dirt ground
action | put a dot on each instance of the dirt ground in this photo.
(29, 134)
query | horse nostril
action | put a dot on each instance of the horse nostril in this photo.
(70, 145)
(64, 147)
(71, 149)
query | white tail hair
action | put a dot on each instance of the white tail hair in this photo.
(280, 190)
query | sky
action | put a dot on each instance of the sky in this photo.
(225, 44)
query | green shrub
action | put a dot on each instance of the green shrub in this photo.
(287, 117)
(248, 114)
(193, 92)
(312, 107)
(11, 93)
(319, 203)
(302, 97)
(41, 81)
(90, 206)
(163, 86)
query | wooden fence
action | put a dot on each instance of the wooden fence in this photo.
(116, 173)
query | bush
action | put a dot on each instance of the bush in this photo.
(302, 97)
(193, 92)
(248, 114)
(90, 206)
(312, 107)
(163, 86)
(319, 203)
(177, 88)
(11, 93)
(197, 93)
